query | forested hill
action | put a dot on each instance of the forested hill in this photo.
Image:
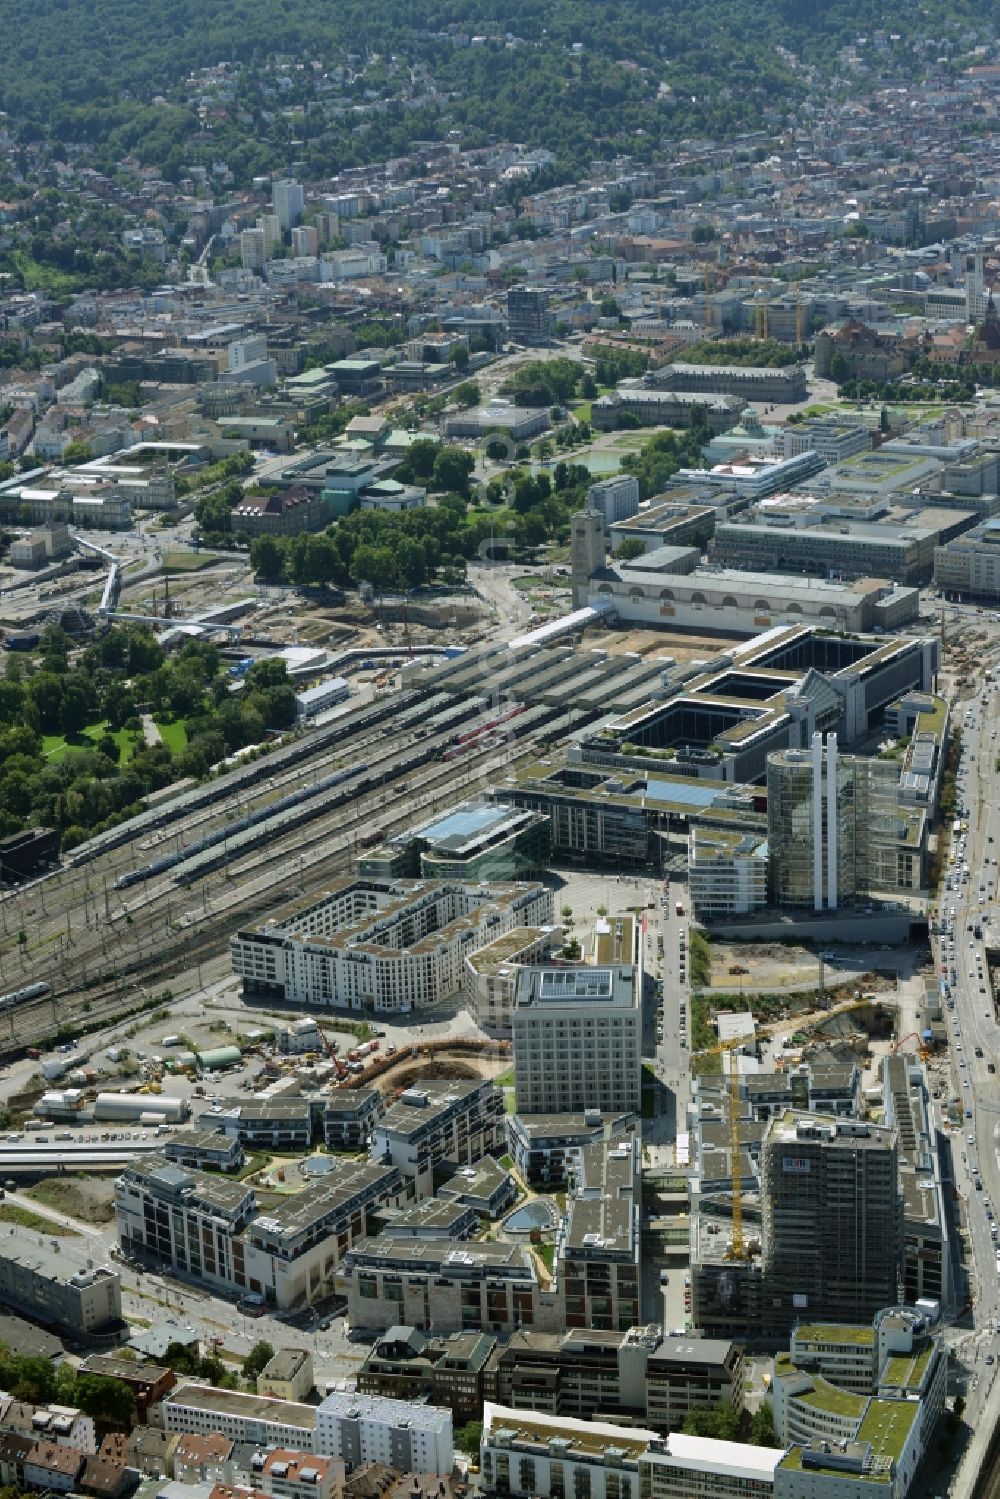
(580, 77)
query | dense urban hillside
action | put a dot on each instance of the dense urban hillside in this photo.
(576, 79)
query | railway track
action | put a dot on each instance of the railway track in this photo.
(112, 979)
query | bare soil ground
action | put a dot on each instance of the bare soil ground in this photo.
(89, 1198)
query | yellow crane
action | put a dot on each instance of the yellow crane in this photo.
(729, 1049)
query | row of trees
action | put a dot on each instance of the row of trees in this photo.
(37, 1380)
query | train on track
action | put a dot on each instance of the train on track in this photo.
(22, 996)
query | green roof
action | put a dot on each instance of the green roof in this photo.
(792, 1461)
(827, 1397)
(835, 1332)
(887, 1425)
(906, 1370)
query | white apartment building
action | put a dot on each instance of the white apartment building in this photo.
(383, 945)
(536, 1455)
(685, 1467)
(577, 1040)
(377, 1429)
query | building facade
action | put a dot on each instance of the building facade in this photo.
(577, 1039)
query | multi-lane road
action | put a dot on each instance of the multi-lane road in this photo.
(969, 898)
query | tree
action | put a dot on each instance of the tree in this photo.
(468, 1438)
(762, 1426)
(459, 357)
(74, 709)
(267, 557)
(719, 1421)
(467, 394)
(452, 468)
(629, 548)
(256, 1360)
(839, 369)
(76, 452)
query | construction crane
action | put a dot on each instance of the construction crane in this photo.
(737, 1250)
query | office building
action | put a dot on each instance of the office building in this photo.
(474, 841)
(727, 873)
(836, 829)
(253, 1419)
(288, 1375)
(636, 1376)
(968, 567)
(830, 439)
(55, 1282)
(617, 498)
(577, 1039)
(832, 1218)
(382, 946)
(491, 974)
(529, 318)
(405, 1364)
(534, 1455)
(434, 1122)
(680, 517)
(287, 201)
(927, 1248)
(679, 1466)
(376, 1429)
(897, 550)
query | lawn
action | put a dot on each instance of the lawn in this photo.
(58, 747)
(186, 562)
(173, 733)
(25, 1218)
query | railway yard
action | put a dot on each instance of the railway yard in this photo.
(150, 905)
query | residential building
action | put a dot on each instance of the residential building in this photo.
(56, 1283)
(407, 1365)
(832, 1217)
(204, 1149)
(577, 1039)
(210, 1228)
(927, 1245)
(350, 1117)
(679, 1466)
(374, 1428)
(534, 1455)
(438, 1121)
(598, 1241)
(283, 1123)
(486, 1188)
(383, 945)
(431, 1283)
(547, 1148)
(288, 1375)
(617, 498)
(287, 201)
(52, 1468)
(255, 1419)
(529, 319)
(203, 1458)
(65, 1425)
(285, 1474)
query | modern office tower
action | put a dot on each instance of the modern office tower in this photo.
(577, 1039)
(287, 201)
(835, 829)
(529, 320)
(832, 1216)
(588, 552)
(616, 498)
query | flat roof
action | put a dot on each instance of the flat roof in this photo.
(713, 1456)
